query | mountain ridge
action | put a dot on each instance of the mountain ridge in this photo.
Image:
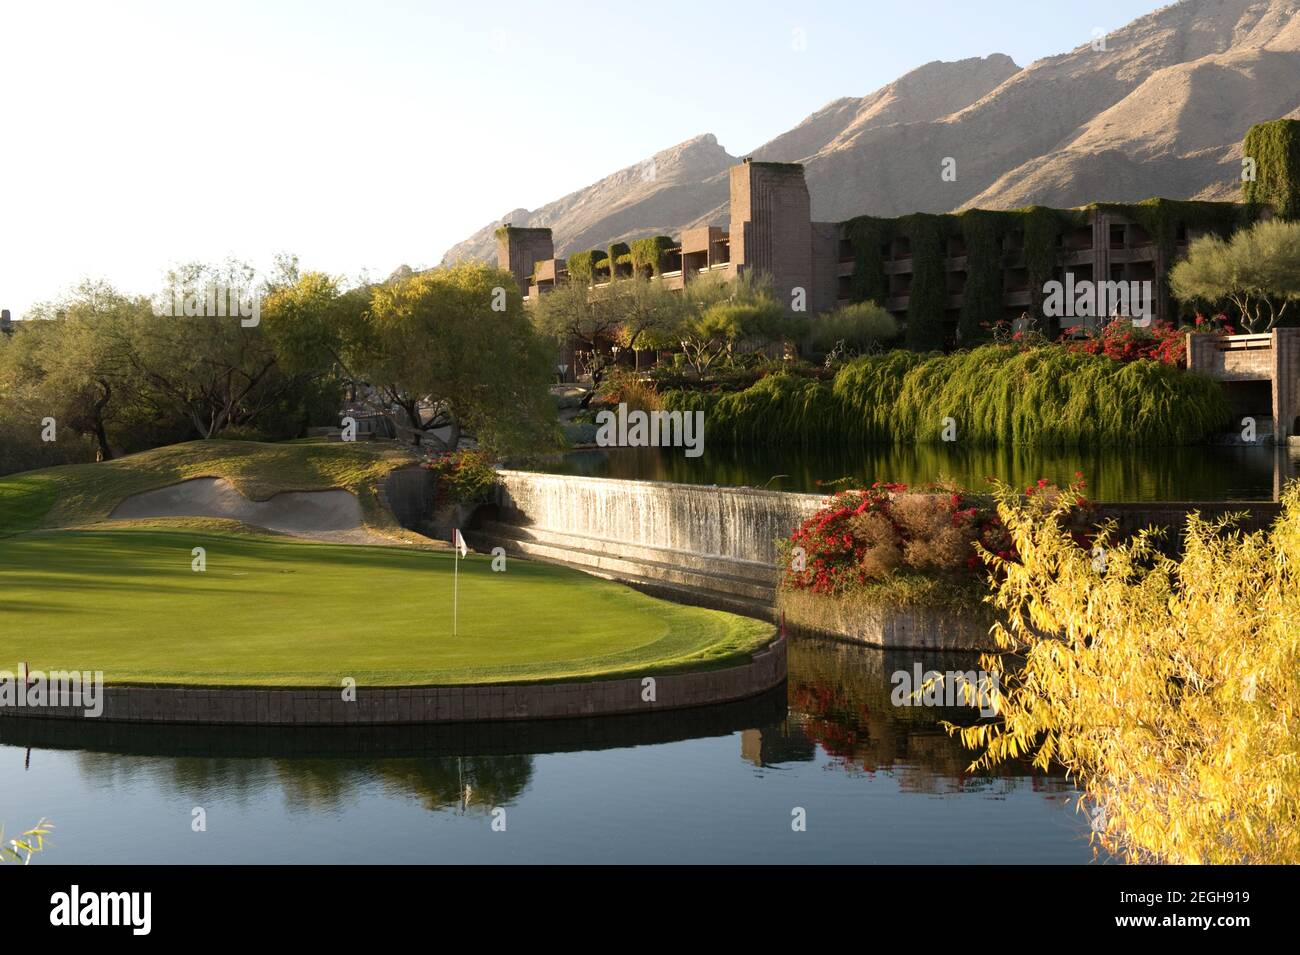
(1161, 110)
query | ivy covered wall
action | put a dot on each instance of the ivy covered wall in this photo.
(984, 235)
(582, 265)
(649, 253)
(1275, 147)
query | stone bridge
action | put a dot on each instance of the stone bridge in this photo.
(1261, 373)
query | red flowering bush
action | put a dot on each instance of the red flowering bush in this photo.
(864, 536)
(464, 477)
(1119, 340)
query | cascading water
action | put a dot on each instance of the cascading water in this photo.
(731, 522)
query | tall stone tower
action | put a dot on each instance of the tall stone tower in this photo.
(771, 228)
(518, 249)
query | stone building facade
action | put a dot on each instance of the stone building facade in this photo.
(1256, 372)
(812, 263)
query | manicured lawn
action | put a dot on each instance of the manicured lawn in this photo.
(81, 493)
(272, 611)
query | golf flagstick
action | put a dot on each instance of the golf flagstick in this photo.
(459, 550)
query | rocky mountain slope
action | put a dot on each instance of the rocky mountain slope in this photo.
(1161, 110)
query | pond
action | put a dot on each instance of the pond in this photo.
(1113, 474)
(876, 783)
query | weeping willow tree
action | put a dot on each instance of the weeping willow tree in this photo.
(993, 395)
(1165, 686)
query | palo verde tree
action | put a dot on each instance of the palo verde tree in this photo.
(437, 347)
(1257, 271)
(720, 315)
(571, 312)
(647, 312)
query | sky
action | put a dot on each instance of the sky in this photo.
(361, 136)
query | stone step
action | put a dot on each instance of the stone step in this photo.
(714, 565)
(695, 596)
(613, 559)
(615, 565)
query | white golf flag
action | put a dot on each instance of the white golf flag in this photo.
(458, 542)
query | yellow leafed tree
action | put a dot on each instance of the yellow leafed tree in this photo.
(1165, 686)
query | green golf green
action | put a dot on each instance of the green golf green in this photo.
(270, 611)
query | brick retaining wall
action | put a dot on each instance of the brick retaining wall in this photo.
(428, 704)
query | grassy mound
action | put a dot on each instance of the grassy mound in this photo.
(270, 611)
(84, 493)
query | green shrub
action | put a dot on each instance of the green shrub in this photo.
(464, 477)
(649, 253)
(861, 327)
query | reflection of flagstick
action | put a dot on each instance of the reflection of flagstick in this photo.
(459, 550)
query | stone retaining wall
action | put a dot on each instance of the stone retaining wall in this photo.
(427, 704)
(913, 628)
(409, 494)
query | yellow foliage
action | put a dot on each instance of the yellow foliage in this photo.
(1165, 686)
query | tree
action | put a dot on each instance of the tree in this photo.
(570, 312)
(648, 313)
(221, 371)
(313, 325)
(1257, 271)
(721, 315)
(211, 370)
(72, 362)
(1164, 685)
(434, 342)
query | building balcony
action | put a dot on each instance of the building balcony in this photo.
(1133, 253)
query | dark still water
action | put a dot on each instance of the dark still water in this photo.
(878, 783)
(1141, 474)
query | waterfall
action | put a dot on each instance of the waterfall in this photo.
(739, 523)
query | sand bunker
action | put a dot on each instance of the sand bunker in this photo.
(319, 515)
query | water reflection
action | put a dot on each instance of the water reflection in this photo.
(882, 783)
(1113, 474)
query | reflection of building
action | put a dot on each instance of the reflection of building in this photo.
(783, 743)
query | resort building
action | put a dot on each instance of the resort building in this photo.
(817, 266)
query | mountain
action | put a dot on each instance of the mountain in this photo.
(1160, 110)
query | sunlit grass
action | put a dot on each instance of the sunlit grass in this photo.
(273, 611)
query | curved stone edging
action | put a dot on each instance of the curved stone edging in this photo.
(913, 628)
(427, 704)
